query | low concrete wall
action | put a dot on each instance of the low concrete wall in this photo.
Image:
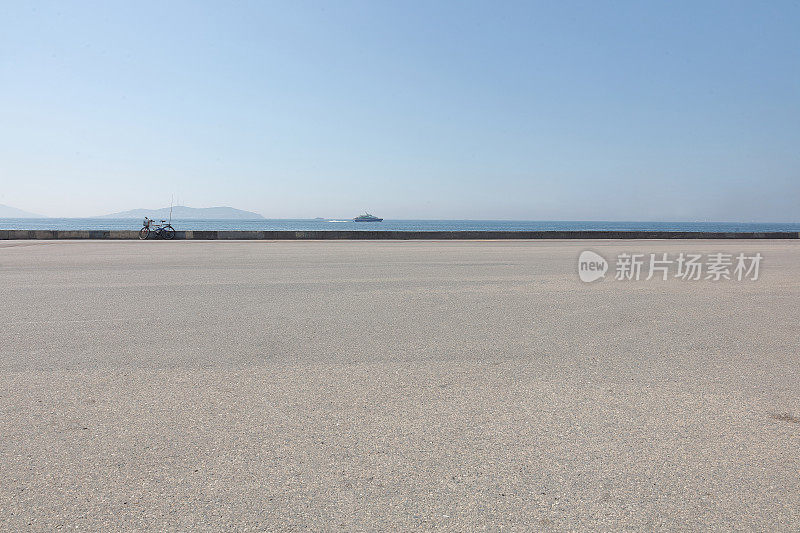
(394, 235)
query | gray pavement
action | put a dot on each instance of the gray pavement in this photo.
(384, 385)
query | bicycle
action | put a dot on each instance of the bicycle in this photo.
(159, 231)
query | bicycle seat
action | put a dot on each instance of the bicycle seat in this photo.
(163, 221)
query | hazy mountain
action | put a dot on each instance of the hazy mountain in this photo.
(12, 212)
(181, 212)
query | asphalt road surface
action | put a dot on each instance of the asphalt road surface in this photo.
(394, 385)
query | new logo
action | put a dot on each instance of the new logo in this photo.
(591, 266)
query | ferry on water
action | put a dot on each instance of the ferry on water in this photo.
(366, 217)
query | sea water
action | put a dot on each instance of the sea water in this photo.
(398, 225)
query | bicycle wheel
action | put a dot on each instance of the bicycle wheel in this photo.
(143, 233)
(169, 232)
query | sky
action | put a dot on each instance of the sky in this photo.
(624, 110)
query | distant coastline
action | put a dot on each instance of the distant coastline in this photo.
(183, 212)
(6, 211)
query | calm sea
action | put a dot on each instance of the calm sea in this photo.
(411, 225)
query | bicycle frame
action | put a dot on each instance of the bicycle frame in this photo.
(163, 230)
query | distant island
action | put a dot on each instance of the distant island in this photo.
(6, 211)
(181, 212)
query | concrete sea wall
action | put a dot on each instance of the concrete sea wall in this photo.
(394, 235)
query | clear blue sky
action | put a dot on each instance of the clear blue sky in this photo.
(657, 110)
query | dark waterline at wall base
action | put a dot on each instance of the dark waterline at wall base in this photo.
(394, 235)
